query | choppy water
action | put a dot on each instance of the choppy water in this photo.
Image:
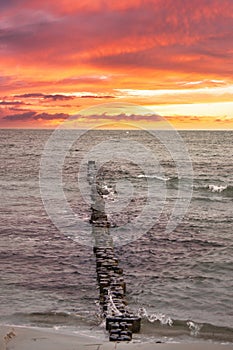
(181, 283)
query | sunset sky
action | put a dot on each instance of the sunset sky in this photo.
(174, 57)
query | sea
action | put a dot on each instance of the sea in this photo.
(178, 280)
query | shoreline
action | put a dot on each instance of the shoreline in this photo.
(30, 338)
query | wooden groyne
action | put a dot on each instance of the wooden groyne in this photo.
(120, 322)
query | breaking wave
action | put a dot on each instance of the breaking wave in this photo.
(223, 189)
(160, 324)
(156, 325)
(201, 186)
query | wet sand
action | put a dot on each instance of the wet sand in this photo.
(23, 338)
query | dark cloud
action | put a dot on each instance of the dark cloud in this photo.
(97, 96)
(31, 95)
(121, 117)
(31, 115)
(55, 97)
(20, 116)
(11, 103)
(48, 116)
(59, 97)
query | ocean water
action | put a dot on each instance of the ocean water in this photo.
(180, 282)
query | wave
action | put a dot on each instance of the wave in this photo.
(156, 324)
(161, 178)
(53, 319)
(223, 189)
(199, 185)
(162, 325)
(216, 188)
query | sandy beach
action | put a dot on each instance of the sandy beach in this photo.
(23, 338)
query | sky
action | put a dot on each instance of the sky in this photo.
(172, 58)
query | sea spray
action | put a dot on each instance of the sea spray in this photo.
(194, 328)
(162, 318)
(216, 188)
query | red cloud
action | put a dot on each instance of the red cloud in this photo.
(92, 47)
(156, 34)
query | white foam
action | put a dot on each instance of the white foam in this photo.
(153, 177)
(216, 188)
(194, 328)
(162, 318)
